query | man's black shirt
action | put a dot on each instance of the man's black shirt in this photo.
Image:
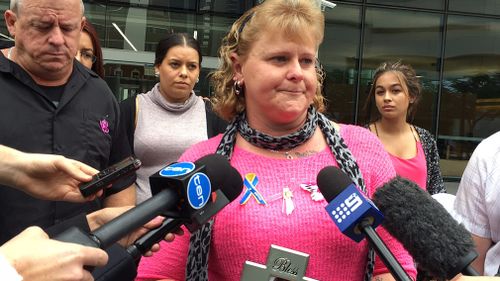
(82, 126)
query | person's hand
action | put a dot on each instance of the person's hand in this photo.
(36, 257)
(101, 217)
(47, 176)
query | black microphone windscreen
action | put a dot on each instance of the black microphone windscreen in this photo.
(429, 233)
(222, 175)
(332, 181)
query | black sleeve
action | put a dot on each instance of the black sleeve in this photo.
(215, 124)
(122, 146)
(435, 183)
(127, 121)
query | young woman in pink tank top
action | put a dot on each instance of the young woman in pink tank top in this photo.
(394, 93)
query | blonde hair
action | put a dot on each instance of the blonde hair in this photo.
(294, 18)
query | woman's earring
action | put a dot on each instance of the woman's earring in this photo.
(237, 88)
(157, 74)
(197, 79)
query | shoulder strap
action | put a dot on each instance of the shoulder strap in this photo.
(129, 110)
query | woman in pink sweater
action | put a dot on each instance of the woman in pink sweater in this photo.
(269, 87)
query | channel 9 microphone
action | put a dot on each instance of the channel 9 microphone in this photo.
(439, 245)
(187, 193)
(355, 215)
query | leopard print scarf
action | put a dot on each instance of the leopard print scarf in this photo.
(199, 246)
(287, 142)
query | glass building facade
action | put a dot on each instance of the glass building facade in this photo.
(454, 45)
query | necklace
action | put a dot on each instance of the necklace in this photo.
(288, 154)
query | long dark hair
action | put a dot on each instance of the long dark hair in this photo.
(408, 78)
(173, 40)
(98, 65)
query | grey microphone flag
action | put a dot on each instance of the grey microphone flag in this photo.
(282, 263)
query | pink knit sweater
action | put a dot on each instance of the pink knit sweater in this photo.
(245, 232)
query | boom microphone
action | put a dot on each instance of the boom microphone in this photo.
(436, 241)
(355, 215)
(191, 192)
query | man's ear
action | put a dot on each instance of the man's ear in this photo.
(237, 67)
(10, 21)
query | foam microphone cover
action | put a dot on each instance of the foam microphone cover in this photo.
(429, 233)
(332, 181)
(222, 175)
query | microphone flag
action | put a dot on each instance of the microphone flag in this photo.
(346, 209)
(283, 263)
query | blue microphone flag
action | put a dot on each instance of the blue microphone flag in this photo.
(348, 208)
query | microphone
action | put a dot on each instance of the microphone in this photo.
(355, 215)
(436, 241)
(228, 185)
(190, 192)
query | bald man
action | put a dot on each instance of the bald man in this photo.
(52, 104)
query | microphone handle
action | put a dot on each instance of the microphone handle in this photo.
(387, 257)
(145, 242)
(134, 218)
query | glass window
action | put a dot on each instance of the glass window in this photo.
(339, 56)
(140, 28)
(470, 102)
(117, 20)
(426, 4)
(163, 22)
(211, 29)
(165, 4)
(340, 1)
(5, 38)
(491, 7)
(96, 15)
(145, 27)
(226, 6)
(412, 37)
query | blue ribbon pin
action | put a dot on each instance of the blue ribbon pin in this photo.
(250, 182)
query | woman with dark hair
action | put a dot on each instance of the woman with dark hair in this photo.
(160, 124)
(395, 93)
(90, 52)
